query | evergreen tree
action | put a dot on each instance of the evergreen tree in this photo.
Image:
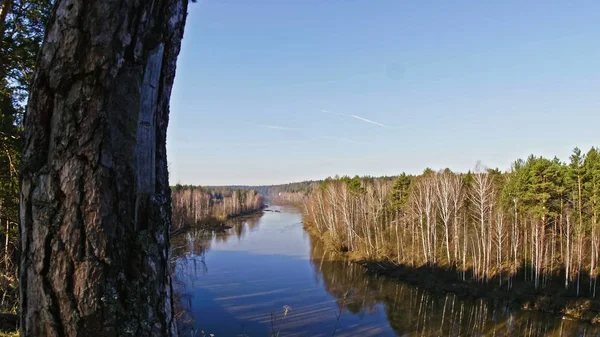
(21, 33)
(591, 185)
(575, 178)
(400, 191)
(95, 206)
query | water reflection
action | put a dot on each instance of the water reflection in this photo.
(189, 264)
(412, 311)
(232, 284)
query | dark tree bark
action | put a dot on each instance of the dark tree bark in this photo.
(95, 198)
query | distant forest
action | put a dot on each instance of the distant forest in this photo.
(193, 205)
(274, 192)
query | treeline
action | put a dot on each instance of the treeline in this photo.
(263, 189)
(293, 198)
(194, 204)
(293, 193)
(275, 192)
(297, 187)
(536, 223)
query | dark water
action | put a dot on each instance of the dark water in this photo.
(238, 284)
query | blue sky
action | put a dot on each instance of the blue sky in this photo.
(286, 90)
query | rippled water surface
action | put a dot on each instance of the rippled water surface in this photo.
(241, 282)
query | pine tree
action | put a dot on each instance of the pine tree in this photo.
(21, 33)
(400, 191)
(591, 206)
(95, 198)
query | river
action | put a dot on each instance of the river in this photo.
(266, 277)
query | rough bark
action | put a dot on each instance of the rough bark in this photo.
(95, 199)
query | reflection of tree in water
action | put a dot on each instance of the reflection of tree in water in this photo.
(188, 263)
(416, 312)
(196, 241)
(241, 226)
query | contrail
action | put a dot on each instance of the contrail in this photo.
(368, 121)
(357, 117)
(275, 127)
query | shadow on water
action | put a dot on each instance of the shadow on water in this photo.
(231, 288)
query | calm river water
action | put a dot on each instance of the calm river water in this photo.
(240, 283)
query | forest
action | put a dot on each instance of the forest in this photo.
(21, 33)
(537, 223)
(195, 205)
(274, 191)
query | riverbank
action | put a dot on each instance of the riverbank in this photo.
(552, 299)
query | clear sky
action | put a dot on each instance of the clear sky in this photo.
(287, 90)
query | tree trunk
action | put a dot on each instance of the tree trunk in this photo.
(95, 199)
